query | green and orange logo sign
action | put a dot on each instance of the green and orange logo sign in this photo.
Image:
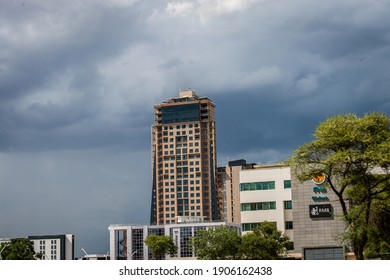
(319, 179)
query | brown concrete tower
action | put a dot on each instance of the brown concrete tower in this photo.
(184, 160)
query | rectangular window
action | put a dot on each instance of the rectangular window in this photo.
(288, 204)
(255, 206)
(289, 225)
(287, 184)
(257, 186)
(249, 226)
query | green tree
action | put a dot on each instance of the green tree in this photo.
(18, 249)
(161, 245)
(354, 154)
(378, 245)
(265, 242)
(220, 243)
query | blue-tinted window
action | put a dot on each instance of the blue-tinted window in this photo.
(256, 186)
(251, 226)
(255, 206)
(180, 113)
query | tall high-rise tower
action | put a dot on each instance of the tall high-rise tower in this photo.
(184, 160)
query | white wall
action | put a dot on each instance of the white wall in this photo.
(279, 194)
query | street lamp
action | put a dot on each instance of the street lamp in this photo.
(86, 254)
(132, 254)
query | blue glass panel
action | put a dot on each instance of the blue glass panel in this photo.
(180, 113)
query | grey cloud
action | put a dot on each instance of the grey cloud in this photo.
(78, 81)
(171, 63)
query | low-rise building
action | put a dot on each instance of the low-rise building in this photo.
(127, 241)
(51, 247)
(54, 247)
(318, 222)
(265, 195)
(308, 212)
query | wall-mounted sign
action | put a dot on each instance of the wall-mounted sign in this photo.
(320, 198)
(320, 189)
(319, 179)
(320, 211)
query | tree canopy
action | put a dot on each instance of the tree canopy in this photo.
(220, 243)
(354, 154)
(265, 242)
(225, 243)
(17, 249)
(161, 245)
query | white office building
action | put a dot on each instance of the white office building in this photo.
(308, 212)
(265, 195)
(54, 247)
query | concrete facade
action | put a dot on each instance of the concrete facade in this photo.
(54, 247)
(313, 220)
(184, 159)
(269, 200)
(316, 232)
(229, 190)
(127, 241)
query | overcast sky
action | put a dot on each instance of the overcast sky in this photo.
(78, 81)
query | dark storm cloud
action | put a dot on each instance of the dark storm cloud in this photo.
(78, 81)
(49, 76)
(331, 65)
(44, 45)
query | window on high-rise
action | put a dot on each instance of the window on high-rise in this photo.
(287, 184)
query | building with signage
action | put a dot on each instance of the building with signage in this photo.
(127, 241)
(184, 160)
(308, 212)
(317, 220)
